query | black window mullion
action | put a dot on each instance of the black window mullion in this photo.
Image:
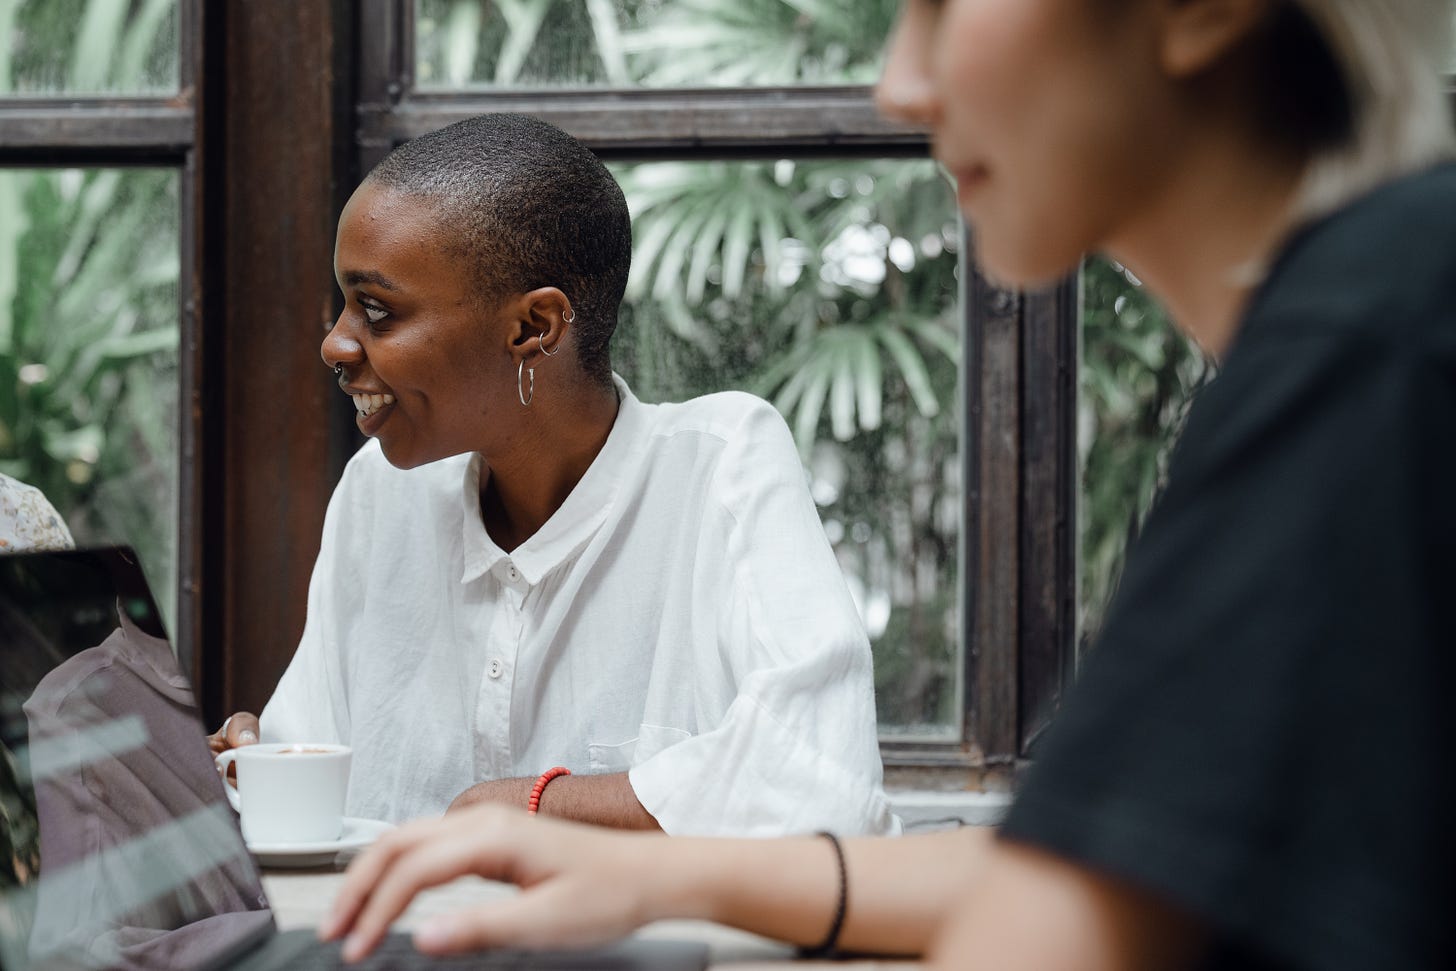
(1048, 433)
(656, 123)
(95, 131)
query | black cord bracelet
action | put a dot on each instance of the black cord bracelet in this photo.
(832, 938)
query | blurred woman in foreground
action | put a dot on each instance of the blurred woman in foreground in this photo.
(1274, 171)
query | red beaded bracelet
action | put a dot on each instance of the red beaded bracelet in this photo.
(535, 802)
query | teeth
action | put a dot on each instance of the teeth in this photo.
(368, 404)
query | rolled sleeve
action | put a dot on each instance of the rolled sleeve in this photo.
(797, 749)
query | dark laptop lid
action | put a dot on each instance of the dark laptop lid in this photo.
(117, 845)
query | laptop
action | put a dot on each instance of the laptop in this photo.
(118, 849)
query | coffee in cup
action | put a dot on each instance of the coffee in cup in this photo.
(289, 793)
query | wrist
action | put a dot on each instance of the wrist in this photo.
(538, 788)
(684, 876)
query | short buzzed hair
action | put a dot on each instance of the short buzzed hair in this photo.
(528, 206)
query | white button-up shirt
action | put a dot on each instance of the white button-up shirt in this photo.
(681, 617)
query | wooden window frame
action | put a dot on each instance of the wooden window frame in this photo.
(281, 105)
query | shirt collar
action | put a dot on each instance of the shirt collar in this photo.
(572, 526)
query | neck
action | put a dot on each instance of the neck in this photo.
(1204, 240)
(556, 442)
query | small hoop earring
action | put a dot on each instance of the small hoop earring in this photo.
(525, 372)
(569, 317)
(338, 370)
(541, 339)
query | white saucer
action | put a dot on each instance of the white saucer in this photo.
(357, 834)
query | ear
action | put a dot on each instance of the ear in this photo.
(1196, 34)
(543, 319)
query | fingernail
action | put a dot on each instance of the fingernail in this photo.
(353, 948)
(247, 737)
(434, 934)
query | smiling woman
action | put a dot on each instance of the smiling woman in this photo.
(527, 566)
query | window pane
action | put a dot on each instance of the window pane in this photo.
(649, 43)
(1138, 377)
(84, 47)
(828, 288)
(88, 353)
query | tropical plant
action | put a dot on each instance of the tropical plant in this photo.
(89, 264)
(653, 43)
(1138, 377)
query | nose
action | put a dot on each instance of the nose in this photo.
(907, 90)
(339, 348)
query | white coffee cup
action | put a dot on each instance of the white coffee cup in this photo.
(289, 793)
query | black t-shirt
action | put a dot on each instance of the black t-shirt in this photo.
(1263, 735)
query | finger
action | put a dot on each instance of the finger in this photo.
(242, 730)
(427, 864)
(367, 869)
(550, 915)
(363, 873)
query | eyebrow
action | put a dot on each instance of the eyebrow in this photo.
(355, 277)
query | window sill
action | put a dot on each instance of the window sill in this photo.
(922, 810)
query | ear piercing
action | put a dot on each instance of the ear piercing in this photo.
(338, 370)
(567, 318)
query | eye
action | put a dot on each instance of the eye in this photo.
(373, 315)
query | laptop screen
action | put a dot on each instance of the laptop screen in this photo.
(117, 845)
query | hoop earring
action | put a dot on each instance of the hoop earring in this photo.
(569, 317)
(541, 339)
(338, 370)
(530, 372)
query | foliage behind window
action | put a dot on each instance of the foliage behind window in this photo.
(649, 43)
(1138, 377)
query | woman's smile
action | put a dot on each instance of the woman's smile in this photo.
(369, 404)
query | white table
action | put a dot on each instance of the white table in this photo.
(301, 899)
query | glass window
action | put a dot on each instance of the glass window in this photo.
(1138, 377)
(830, 289)
(88, 353)
(87, 47)
(648, 43)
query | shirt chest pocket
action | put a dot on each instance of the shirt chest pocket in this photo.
(621, 756)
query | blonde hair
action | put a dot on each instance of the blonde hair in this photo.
(1392, 55)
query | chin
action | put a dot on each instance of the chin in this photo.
(402, 457)
(1030, 268)
(405, 457)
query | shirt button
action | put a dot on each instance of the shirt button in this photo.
(495, 669)
(513, 573)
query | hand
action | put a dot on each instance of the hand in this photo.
(582, 886)
(239, 730)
